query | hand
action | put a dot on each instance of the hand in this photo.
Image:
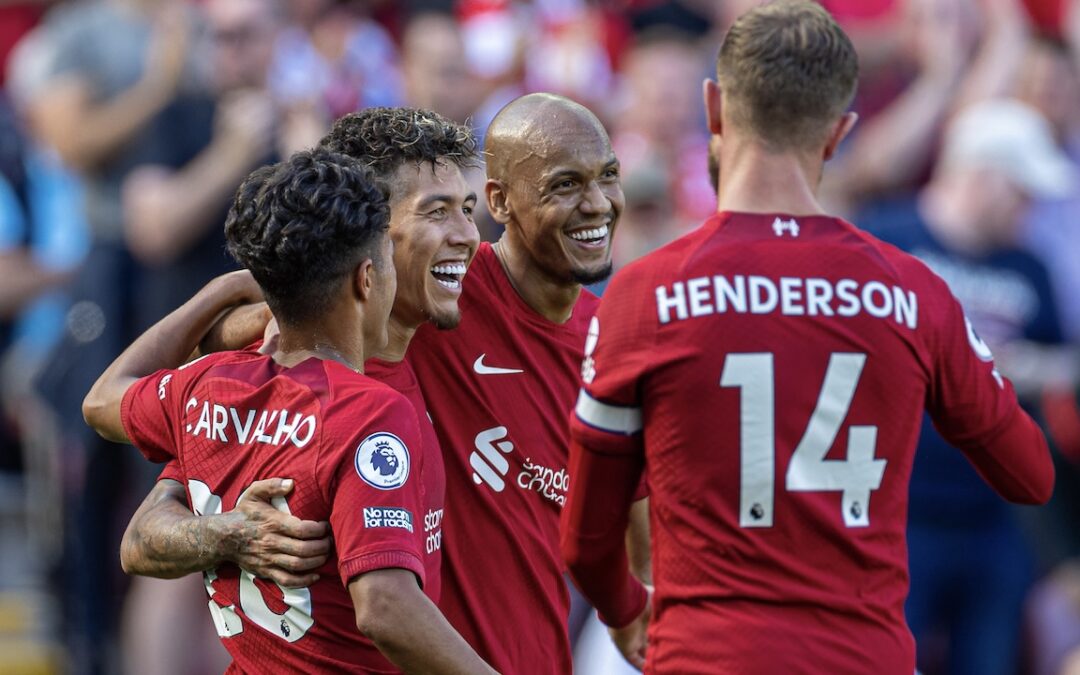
(272, 544)
(941, 36)
(245, 121)
(632, 639)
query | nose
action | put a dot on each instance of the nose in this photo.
(463, 232)
(594, 200)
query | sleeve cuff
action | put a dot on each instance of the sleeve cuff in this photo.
(354, 567)
(628, 609)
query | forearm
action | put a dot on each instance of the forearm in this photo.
(593, 522)
(638, 541)
(1016, 462)
(408, 628)
(165, 345)
(86, 133)
(24, 279)
(897, 143)
(240, 327)
(166, 540)
(167, 213)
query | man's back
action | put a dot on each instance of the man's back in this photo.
(351, 444)
(780, 366)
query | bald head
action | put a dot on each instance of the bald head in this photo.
(535, 126)
(553, 183)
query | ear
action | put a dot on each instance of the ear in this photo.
(497, 200)
(713, 106)
(364, 279)
(839, 132)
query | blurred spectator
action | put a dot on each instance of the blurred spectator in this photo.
(660, 131)
(335, 59)
(1053, 613)
(437, 75)
(17, 18)
(965, 225)
(160, 157)
(112, 68)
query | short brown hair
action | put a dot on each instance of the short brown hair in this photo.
(787, 71)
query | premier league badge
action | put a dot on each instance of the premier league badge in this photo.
(382, 461)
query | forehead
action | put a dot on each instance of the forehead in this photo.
(565, 143)
(415, 182)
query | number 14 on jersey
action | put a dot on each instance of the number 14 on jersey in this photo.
(855, 477)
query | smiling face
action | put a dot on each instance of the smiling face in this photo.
(435, 239)
(564, 198)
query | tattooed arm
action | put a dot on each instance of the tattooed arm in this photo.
(166, 540)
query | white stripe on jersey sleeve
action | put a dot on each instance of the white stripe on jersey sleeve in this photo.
(614, 419)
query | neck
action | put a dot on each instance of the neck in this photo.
(753, 180)
(400, 336)
(553, 299)
(297, 344)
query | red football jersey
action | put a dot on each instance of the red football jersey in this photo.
(773, 370)
(401, 378)
(499, 387)
(353, 447)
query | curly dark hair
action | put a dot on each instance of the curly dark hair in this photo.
(384, 139)
(301, 226)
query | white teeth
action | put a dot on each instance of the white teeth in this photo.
(452, 285)
(593, 234)
(455, 268)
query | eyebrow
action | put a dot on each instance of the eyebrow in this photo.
(449, 199)
(574, 173)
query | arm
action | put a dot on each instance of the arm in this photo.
(238, 328)
(407, 627)
(24, 279)
(637, 541)
(166, 540)
(897, 142)
(976, 410)
(166, 345)
(166, 211)
(86, 132)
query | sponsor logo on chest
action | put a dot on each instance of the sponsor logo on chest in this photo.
(491, 467)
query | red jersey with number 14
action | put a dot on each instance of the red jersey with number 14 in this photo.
(773, 370)
(353, 447)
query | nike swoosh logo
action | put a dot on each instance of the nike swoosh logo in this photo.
(482, 369)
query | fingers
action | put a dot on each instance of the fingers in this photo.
(298, 548)
(265, 490)
(290, 580)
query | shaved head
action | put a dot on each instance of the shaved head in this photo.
(533, 126)
(553, 183)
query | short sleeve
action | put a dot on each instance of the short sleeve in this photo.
(376, 494)
(172, 471)
(152, 407)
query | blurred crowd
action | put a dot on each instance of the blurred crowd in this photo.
(126, 125)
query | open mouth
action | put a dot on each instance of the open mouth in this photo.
(593, 236)
(449, 275)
